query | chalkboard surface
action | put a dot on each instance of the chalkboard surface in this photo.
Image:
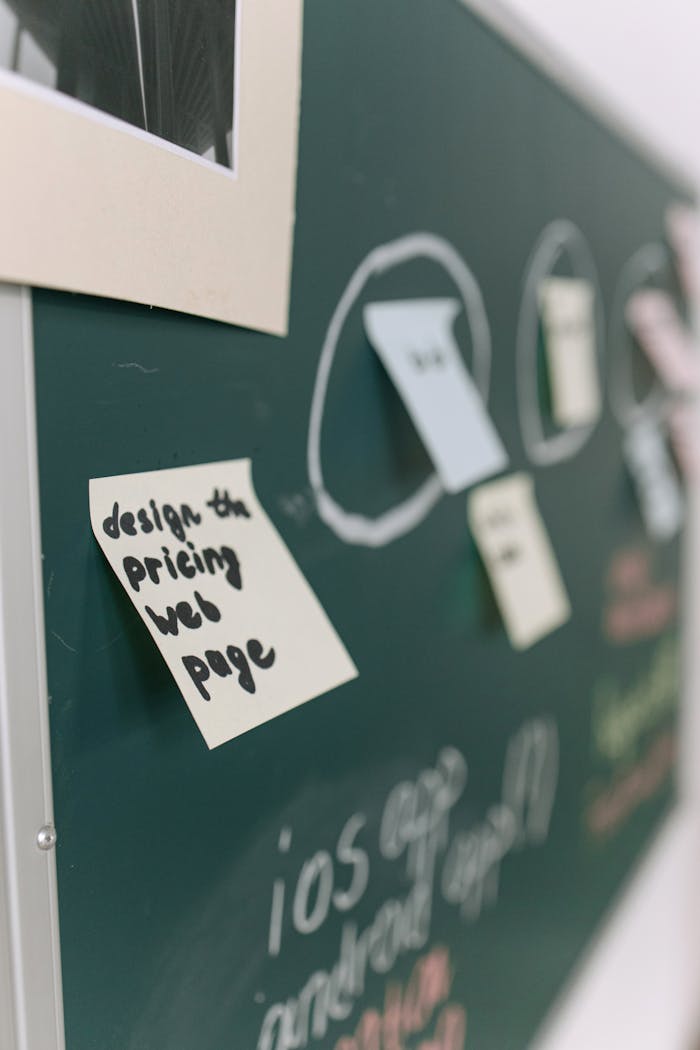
(434, 843)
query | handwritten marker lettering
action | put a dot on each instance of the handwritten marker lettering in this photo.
(239, 627)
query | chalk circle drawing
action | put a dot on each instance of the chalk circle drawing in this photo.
(645, 265)
(403, 517)
(561, 238)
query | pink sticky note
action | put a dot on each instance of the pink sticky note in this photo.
(684, 431)
(652, 316)
(683, 228)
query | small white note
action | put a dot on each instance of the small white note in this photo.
(658, 490)
(415, 341)
(654, 320)
(513, 542)
(236, 622)
(567, 308)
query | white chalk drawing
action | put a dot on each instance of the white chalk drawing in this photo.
(397, 521)
(444, 858)
(560, 238)
(646, 264)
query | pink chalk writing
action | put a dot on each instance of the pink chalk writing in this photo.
(408, 1011)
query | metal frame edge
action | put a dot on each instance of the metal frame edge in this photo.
(29, 932)
(530, 43)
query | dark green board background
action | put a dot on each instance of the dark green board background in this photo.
(414, 117)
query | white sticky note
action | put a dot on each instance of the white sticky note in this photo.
(568, 318)
(236, 622)
(415, 341)
(516, 550)
(658, 490)
(654, 320)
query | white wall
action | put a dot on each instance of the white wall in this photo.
(643, 54)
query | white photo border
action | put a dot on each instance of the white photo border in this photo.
(90, 203)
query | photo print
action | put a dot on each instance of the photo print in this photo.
(152, 152)
(166, 67)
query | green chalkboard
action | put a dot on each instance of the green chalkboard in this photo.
(531, 781)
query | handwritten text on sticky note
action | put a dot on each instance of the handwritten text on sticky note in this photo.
(415, 342)
(239, 627)
(513, 542)
(567, 310)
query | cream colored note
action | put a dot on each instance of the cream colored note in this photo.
(567, 310)
(416, 344)
(516, 550)
(238, 625)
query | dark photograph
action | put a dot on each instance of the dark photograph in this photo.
(164, 66)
